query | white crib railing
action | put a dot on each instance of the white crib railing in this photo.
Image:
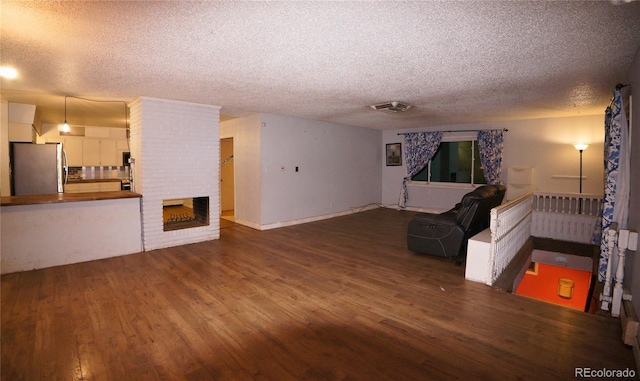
(566, 217)
(510, 230)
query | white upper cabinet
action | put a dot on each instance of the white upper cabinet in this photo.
(98, 146)
(96, 132)
(73, 148)
(91, 152)
(99, 152)
(21, 133)
(108, 153)
(22, 113)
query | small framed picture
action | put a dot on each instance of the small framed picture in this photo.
(394, 154)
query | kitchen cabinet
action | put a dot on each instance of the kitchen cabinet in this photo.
(95, 147)
(86, 187)
(122, 146)
(21, 132)
(110, 186)
(96, 132)
(118, 134)
(91, 152)
(99, 152)
(82, 187)
(71, 188)
(73, 148)
(108, 152)
(27, 115)
(50, 134)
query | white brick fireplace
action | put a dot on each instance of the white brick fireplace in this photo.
(175, 147)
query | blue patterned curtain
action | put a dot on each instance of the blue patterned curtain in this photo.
(596, 238)
(616, 187)
(419, 148)
(490, 145)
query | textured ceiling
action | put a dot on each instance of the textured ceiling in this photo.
(455, 62)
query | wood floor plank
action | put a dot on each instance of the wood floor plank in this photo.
(338, 299)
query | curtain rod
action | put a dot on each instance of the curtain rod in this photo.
(406, 133)
(619, 86)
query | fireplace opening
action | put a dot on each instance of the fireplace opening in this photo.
(185, 213)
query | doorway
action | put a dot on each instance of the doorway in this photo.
(227, 188)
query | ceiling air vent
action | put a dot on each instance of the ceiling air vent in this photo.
(394, 106)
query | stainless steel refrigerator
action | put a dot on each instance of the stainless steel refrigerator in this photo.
(37, 168)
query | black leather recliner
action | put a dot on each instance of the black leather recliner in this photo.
(446, 234)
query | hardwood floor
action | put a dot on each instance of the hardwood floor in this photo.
(339, 299)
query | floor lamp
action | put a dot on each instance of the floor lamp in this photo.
(580, 147)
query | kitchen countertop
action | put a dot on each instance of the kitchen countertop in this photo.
(65, 197)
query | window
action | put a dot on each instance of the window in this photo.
(454, 162)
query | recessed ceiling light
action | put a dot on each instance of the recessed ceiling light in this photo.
(8, 72)
(394, 106)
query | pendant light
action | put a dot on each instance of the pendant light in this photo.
(65, 126)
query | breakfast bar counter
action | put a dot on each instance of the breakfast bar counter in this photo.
(51, 230)
(65, 197)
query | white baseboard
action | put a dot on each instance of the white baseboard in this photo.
(317, 218)
(281, 224)
(425, 210)
(248, 224)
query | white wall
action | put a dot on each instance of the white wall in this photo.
(545, 144)
(338, 169)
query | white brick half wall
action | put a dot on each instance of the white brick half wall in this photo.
(176, 151)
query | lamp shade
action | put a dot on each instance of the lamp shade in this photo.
(580, 146)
